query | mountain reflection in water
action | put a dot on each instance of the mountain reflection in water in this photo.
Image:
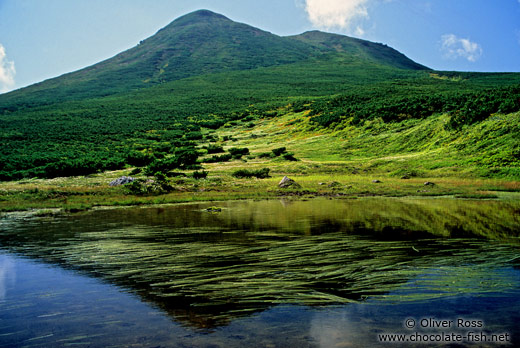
(206, 269)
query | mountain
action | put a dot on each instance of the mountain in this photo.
(198, 43)
(204, 72)
(362, 49)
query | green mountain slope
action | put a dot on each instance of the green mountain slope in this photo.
(361, 49)
(196, 44)
(204, 71)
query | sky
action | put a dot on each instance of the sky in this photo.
(41, 39)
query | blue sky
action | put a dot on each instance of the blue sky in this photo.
(40, 39)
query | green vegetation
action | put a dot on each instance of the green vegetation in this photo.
(237, 153)
(244, 173)
(110, 133)
(404, 103)
(200, 175)
(184, 158)
(258, 254)
(221, 158)
(279, 151)
(213, 148)
(314, 106)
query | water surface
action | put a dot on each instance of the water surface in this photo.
(323, 273)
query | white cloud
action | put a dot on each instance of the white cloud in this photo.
(455, 47)
(7, 71)
(340, 14)
(360, 31)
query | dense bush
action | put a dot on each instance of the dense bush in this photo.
(237, 152)
(200, 175)
(158, 186)
(184, 158)
(288, 156)
(464, 108)
(214, 149)
(265, 154)
(244, 173)
(216, 159)
(193, 136)
(279, 151)
(139, 159)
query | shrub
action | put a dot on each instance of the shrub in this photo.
(185, 158)
(214, 149)
(215, 159)
(244, 173)
(210, 137)
(193, 136)
(237, 152)
(265, 154)
(150, 187)
(277, 152)
(139, 159)
(200, 175)
(234, 151)
(160, 165)
(288, 156)
(136, 171)
(136, 187)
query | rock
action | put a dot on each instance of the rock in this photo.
(122, 181)
(286, 182)
(429, 183)
(376, 181)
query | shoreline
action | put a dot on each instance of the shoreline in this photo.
(70, 201)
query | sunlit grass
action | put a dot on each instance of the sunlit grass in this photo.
(402, 156)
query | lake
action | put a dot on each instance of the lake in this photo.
(273, 273)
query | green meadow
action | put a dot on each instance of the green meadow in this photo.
(229, 121)
(339, 163)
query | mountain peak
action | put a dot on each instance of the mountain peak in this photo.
(204, 42)
(199, 16)
(205, 13)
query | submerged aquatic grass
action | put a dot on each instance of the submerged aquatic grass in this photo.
(206, 268)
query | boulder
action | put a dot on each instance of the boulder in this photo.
(286, 182)
(122, 181)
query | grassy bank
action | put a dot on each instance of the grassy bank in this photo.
(477, 162)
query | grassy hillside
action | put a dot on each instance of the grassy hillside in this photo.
(361, 49)
(332, 163)
(82, 137)
(204, 73)
(196, 44)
